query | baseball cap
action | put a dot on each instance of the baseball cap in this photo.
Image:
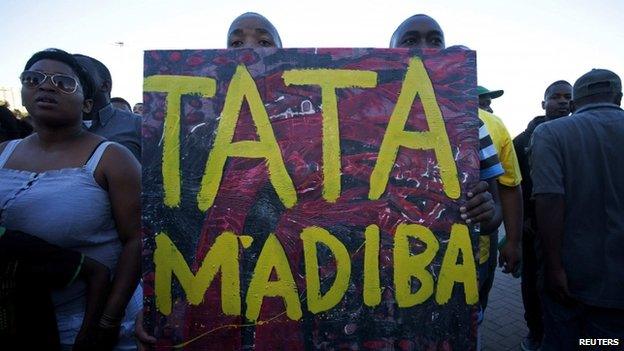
(596, 81)
(493, 94)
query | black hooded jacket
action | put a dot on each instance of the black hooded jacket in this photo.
(521, 143)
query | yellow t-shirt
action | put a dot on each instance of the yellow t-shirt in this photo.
(504, 146)
(507, 156)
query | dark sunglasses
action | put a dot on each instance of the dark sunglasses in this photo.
(66, 84)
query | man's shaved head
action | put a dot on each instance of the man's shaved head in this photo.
(418, 31)
(252, 30)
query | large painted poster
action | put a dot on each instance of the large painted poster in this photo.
(308, 199)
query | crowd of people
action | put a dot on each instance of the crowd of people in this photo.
(557, 188)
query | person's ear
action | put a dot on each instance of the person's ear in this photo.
(87, 105)
(572, 106)
(543, 105)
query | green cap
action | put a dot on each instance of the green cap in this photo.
(493, 94)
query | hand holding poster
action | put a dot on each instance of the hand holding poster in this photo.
(309, 198)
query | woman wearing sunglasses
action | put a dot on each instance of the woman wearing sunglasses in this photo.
(78, 191)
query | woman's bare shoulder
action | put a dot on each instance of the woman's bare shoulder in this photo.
(117, 158)
(4, 144)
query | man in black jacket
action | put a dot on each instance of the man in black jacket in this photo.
(556, 104)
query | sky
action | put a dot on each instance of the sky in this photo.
(522, 46)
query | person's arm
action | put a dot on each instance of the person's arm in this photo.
(97, 277)
(520, 144)
(123, 179)
(483, 206)
(50, 265)
(550, 210)
(495, 221)
(146, 341)
(511, 200)
(546, 164)
(55, 268)
(512, 204)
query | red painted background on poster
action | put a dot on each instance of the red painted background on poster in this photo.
(308, 198)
